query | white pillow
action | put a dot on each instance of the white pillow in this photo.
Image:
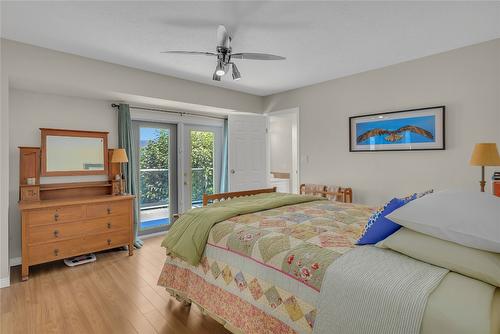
(468, 218)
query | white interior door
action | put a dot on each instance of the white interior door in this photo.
(247, 160)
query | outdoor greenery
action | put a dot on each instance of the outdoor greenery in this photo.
(154, 182)
(202, 163)
(154, 167)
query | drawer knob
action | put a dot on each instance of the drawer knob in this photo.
(109, 242)
(56, 233)
(56, 252)
(56, 217)
(109, 211)
(109, 225)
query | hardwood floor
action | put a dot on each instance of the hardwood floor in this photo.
(115, 294)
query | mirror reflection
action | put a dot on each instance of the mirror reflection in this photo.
(65, 153)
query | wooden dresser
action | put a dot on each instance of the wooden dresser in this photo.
(62, 220)
(58, 229)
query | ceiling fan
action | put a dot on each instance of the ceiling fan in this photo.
(225, 56)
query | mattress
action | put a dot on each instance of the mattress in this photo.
(263, 272)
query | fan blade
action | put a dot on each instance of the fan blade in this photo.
(223, 38)
(191, 53)
(256, 56)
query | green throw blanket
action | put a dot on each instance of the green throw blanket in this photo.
(188, 237)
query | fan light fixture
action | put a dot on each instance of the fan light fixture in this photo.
(216, 77)
(224, 54)
(219, 70)
(236, 72)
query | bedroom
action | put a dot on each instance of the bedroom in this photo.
(65, 64)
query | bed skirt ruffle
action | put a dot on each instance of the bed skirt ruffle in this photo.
(235, 314)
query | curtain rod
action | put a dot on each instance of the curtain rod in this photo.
(181, 113)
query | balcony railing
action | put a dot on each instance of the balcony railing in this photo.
(154, 186)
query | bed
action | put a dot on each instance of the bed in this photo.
(263, 271)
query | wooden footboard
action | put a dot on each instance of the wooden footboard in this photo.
(225, 196)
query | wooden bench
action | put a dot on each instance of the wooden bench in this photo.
(340, 194)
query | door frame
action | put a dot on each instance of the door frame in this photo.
(173, 192)
(186, 157)
(295, 174)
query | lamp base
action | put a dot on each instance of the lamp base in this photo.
(482, 184)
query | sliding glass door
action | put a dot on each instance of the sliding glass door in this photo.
(203, 161)
(157, 157)
(200, 157)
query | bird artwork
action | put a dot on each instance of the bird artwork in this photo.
(394, 135)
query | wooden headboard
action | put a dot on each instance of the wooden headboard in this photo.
(226, 196)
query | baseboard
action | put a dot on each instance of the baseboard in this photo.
(4, 282)
(15, 261)
(147, 236)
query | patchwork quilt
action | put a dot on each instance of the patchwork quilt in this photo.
(262, 272)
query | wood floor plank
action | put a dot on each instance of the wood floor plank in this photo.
(77, 319)
(116, 294)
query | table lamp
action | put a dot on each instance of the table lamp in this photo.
(485, 154)
(120, 156)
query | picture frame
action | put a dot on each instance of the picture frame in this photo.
(420, 129)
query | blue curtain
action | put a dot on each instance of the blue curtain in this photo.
(224, 184)
(125, 141)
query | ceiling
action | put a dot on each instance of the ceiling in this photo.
(321, 40)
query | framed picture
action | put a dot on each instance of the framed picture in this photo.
(405, 130)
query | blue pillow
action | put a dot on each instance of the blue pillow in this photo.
(378, 227)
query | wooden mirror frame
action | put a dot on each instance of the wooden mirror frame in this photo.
(72, 133)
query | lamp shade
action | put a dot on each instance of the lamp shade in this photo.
(119, 155)
(485, 154)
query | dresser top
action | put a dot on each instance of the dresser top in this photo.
(72, 201)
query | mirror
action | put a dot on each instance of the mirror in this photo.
(68, 152)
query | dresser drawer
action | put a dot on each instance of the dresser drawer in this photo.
(108, 224)
(55, 215)
(72, 247)
(106, 241)
(60, 231)
(108, 209)
(54, 251)
(54, 232)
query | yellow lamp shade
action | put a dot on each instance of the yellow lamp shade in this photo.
(485, 154)
(119, 155)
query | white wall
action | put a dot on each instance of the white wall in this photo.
(31, 111)
(466, 80)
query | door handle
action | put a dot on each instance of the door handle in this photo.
(233, 171)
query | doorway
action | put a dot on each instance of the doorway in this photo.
(156, 145)
(284, 150)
